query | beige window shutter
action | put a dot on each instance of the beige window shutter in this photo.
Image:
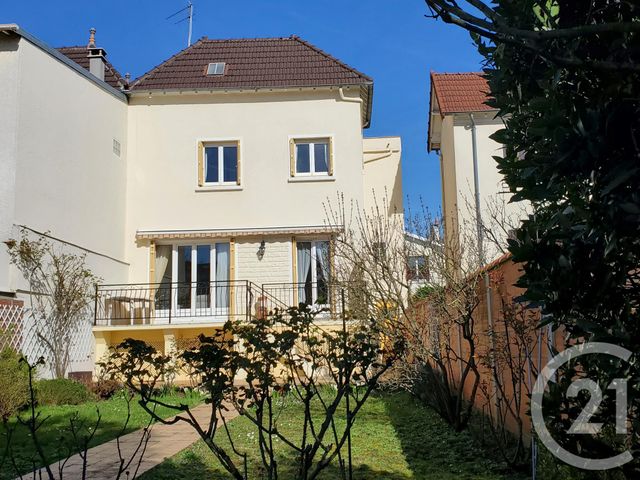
(152, 261)
(200, 164)
(330, 155)
(292, 157)
(294, 264)
(239, 164)
(232, 276)
(152, 274)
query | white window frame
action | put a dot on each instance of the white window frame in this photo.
(215, 71)
(311, 141)
(314, 269)
(212, 309)
(221, 146)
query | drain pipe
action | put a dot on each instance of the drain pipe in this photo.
(481, 256)
(348, 99)
(476, 185)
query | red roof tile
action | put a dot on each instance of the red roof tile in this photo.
(250, 63)
(460, 92)
(80, 56)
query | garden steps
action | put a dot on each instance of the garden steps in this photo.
(164, 442)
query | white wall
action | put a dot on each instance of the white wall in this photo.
(494, 194)
(59, 173)
(68, 180)
(9, 72)
(163, 136)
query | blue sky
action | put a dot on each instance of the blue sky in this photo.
(390, 41)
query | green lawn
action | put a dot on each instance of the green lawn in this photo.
(394, 438)
(56, 439)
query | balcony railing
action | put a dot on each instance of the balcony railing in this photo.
(205, 302)
(320, 296)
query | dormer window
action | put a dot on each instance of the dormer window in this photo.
(216, 68)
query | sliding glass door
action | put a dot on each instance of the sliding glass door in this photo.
(313, 267)
(193, 279)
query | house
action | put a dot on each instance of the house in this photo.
(420, 262)
(473, 190)
(196, 190)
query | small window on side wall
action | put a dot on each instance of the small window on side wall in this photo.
(218, 163)
(311, 157)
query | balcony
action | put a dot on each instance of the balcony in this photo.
(213, 303)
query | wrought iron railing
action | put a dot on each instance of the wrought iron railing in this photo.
(321, 296)
(168, 303)
(204, 302)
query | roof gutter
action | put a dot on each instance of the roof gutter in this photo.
(17, 30)
(360, 101)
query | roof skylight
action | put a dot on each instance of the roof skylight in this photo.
(216, 68)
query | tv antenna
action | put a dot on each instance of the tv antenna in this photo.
(189, 10)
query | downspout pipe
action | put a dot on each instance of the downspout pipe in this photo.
(476, 185)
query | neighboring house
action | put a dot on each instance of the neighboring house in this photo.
(418, 254)
(460, 124)
(196, 190)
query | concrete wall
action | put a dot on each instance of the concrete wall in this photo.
(163, 136)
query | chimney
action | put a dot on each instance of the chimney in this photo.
(96, 56)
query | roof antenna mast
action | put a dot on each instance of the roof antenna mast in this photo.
(190, 22)
(189, 9)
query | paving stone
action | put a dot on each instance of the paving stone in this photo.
(164, 442)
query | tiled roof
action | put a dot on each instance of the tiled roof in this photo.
(460, 92)
(79, 55)
(250, 63)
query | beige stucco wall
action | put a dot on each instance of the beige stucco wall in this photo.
(448, 180)
(163, 135)
(383, 174)
(68, 181)
(494, 196)
(458, 189)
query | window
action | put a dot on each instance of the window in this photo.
(313, 271)
(216, 68)
(417, 268)
(219, 163)
(379, 251)
(192, 279)
(311, 157)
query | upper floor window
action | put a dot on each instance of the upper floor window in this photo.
(417, 268)
(219, 163)
(311, 157)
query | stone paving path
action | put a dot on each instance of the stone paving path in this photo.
(164, 442)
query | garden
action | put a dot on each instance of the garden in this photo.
(71, 416)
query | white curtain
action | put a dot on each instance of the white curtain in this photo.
(322, 254)
(163, 263)
(163, 276)
(304, 271)
(322, 273)
(222, 275)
